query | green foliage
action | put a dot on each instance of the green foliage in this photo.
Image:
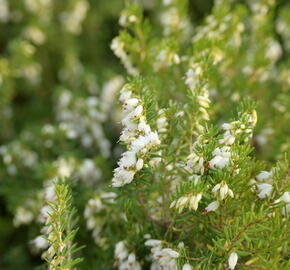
(189, 170)
(60, 231)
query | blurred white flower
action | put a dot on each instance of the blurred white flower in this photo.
(233, 259)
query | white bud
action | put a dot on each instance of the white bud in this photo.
(285, 197)
(139, 164)
(186, 267)
(130, 104)
(131, 258)
(233, 259)
(172, 204)
(212, 206)
(227, 126)
(125, 95)
(138, 111)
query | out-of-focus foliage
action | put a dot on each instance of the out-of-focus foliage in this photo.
(204, 176)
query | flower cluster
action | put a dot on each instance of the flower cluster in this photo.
(173, 21)
(125, 260)
(118, 47)
(263, 185)
(165, 58)
(88, 172)
(92, 215)
(221, 158)
(195, 160)
(23, 215)
(190, 201)
(72, 20)
(190, 180)
(82, 118)
(137, 135)
(163, 258)
(221, 191)
(109, 91)
(17, 154)
(40, 242)
(242, 129)
(194, 79)
(162, 122)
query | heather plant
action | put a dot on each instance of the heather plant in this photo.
(144, 134)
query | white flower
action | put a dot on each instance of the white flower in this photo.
(203, 101)
(186, 267)
(192, 77)
(138, 136)
(233, 259)
(194, 200)
(172, 204)
(139, 164)
(180, 245)
(227, 126)
(228, 138)
(22, 216)
(187, 201)
(221, 158)
(264, 176)
(39, 243)
(163, 258)
(212, 206)
(143, 127)
(108, 195)
(195, 163)
(130, 104)
(274, 50)
(93, 208)
(170, 252)
(181, 203)
(117, 46)
(109, 92)
(265, 190)
(285, 197)
(153, 242)
(128, 159)
(122, 177)
(137, 112)
(125, 94)
(219, 162)
(124, 260)
(88, 171)
(162, 124)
